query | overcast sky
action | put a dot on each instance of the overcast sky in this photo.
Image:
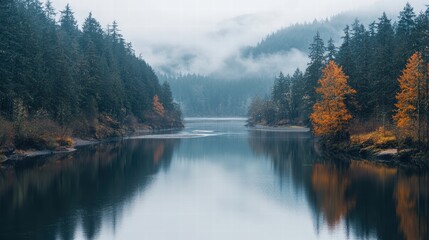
(210, 30)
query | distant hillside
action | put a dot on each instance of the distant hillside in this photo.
(201, 96)
(300, 36)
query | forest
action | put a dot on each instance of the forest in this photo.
(58, 79)
(374, 86)
(209, 96)
(298, 36)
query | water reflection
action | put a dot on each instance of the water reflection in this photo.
(235, 184)
(329, 187)
(411, 194)
(291, 154)
(368, 201)
(78, 190)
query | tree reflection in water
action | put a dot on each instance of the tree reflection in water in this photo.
(87, 186)
(330, 192)
(370, 201)
(411, 195)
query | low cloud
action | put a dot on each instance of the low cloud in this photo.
(265, 65)
(206, 37)
(217, 53)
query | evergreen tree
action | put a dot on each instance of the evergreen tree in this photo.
(331, 51)
(114, 33)
(345, 58)
(384, 78)
(298, 103)
(314, 70)
(67, 21)
(167, 96)
(281, 97)
(359, 72)
(420, 35)
(404, 36)
(50, 11)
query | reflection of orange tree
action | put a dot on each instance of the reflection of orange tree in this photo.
(330, 188)
(365, 170)
(158, 153)
(413, 218)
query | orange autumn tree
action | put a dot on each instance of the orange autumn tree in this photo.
(330, 115)
(412, 88)
(158, 108)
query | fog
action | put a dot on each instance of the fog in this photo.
(205, 37)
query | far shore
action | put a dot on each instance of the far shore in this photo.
(283, 128)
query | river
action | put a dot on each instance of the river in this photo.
(215, 179)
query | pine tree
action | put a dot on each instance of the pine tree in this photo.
(420, 35)
(281, 96)
(345, 58)
(297, 104)
(404, 36)
(166, 96)
(67, 21)
(314, 69)
(359, 72)
(330, 115)
(50, 11)
(332, 51)
(11, 31)
(115, 33)
(385, 73)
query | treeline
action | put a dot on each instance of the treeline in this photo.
(299, 36)
(372, 57)
(202, 96)
(86, 79)
(285, 105)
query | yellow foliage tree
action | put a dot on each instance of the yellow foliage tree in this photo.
(157, 106)
(412, 87)
(330, 115)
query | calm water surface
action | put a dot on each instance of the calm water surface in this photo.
(213, 180)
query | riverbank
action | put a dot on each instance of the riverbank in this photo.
(11, 155)
(408, 159)
(379, 147)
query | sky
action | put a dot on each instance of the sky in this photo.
(198, 36)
